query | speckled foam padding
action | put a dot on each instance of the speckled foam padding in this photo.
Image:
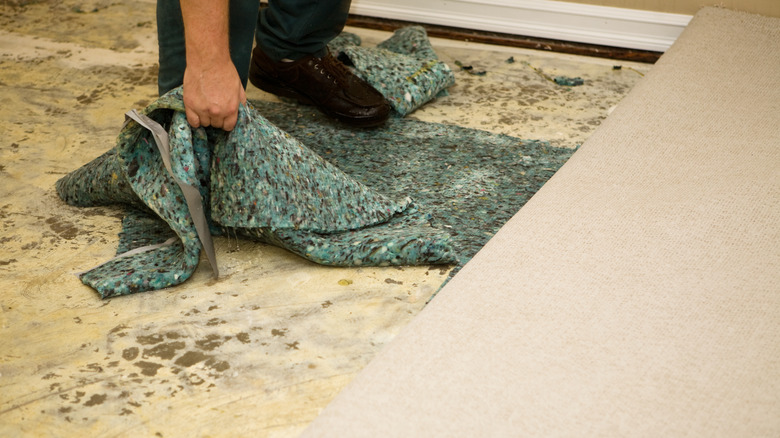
(257, 181)
(472, 181)
(404, 68)
(407, 193)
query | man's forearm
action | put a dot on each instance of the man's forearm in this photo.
(212, 87)
(206, 31)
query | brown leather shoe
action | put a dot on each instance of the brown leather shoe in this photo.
(324, 82)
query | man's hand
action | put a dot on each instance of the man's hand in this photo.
(212, 88)
(212, 95)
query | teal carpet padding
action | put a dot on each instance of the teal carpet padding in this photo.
(472, 181)
(404, 68)
(256, 181)
(406, 193)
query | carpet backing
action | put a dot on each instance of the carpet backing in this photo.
(638, 293)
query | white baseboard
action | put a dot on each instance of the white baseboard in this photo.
(628, 28)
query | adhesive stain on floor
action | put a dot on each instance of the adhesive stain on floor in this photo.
(262, 349)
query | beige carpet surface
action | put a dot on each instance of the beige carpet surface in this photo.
(637, 294)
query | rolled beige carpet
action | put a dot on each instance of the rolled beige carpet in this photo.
(637, 294)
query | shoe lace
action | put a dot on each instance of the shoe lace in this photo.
(333, 69)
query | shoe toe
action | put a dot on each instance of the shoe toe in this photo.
(349, 98)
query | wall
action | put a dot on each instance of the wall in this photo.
(635, 24)
(769, 8)
(565, 21)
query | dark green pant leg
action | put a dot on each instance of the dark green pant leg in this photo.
(295, 28)
(170, 37)
(170, 42)
(243, 19)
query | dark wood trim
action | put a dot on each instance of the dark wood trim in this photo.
(503, 39)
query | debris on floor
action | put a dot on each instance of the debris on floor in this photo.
(569, 82)
(470, 69)
(620, 67)
(539, 72)
(559, 80)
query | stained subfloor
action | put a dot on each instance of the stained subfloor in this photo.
(260, 350)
